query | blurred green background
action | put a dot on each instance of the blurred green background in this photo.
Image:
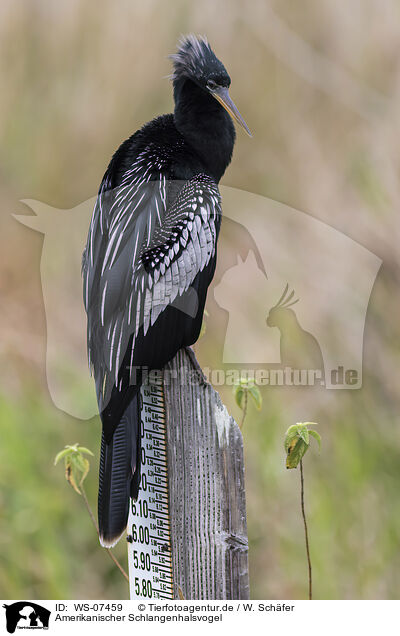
(318, 82)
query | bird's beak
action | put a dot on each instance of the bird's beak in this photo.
(221, 94)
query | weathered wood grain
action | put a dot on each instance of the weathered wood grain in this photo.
(206, 487)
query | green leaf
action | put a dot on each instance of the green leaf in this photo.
(70, 477)
(303, 433)
(82, 449)
(316, 436)
(291, 434)
(297, 442)
(78, 461)
(85, 471)
(60, 455)
(256, 395)
(296, 452)
(76, 464)
(247, 387)
(239, 392)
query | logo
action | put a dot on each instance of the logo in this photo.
(26, 615)
(290, 292)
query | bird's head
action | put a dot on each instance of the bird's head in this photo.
(197, 62)
(281, 313)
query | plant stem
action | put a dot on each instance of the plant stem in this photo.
(245, 400)
(306, 532)
(112, 557)
(117, 563)
(87, 504)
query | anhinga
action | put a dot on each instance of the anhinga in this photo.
(150, 257)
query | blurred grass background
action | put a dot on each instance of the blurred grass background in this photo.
(318, 83)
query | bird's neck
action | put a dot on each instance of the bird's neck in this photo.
(205, 125)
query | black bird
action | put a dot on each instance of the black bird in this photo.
(150, 257)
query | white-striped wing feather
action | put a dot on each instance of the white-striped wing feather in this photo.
(142, 256)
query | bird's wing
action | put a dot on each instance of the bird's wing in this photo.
(142, 255)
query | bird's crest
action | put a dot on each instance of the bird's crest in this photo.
(194, 58)
(284, 301)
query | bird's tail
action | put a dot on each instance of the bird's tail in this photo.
(119, 475)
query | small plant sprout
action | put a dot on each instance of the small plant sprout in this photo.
(297, 442)
(76, 465)
(241, 391)
(77, 468)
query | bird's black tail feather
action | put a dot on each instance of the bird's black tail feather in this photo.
(119, 475)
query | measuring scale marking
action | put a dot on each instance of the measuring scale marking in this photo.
(149, 550)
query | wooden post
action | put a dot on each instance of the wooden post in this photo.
(206, 488)
(187, 531)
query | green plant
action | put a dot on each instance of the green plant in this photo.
(241, 391)
(297, 442)
(77, 468)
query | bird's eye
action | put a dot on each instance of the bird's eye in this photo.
(211, 85)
